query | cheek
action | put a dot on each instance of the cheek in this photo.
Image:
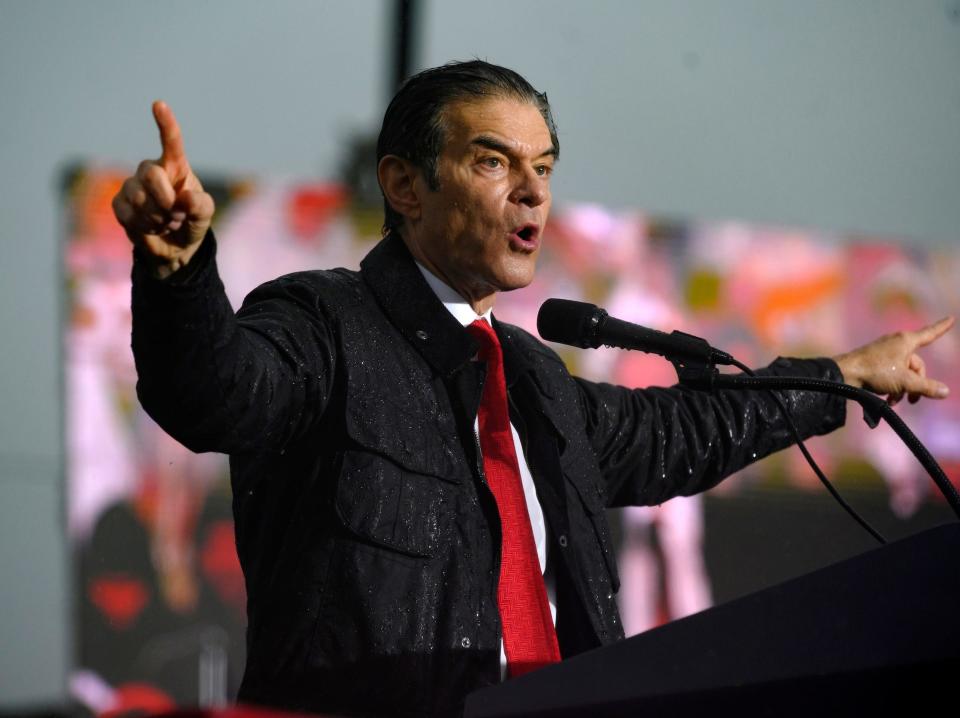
(487, 212)
(469, 217)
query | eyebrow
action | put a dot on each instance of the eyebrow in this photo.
(491, 143)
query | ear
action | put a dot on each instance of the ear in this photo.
(397, 178)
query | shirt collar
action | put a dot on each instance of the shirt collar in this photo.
(455, 304)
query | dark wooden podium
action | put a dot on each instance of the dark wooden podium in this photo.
(877, 634)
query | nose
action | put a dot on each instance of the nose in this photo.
(530, 188)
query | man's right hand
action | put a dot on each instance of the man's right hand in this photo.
(163, 207)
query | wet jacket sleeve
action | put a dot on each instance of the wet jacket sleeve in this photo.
(217, 381)
(653, 444)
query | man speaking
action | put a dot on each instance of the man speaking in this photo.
(419, 489)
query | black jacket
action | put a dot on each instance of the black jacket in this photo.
(368, 538)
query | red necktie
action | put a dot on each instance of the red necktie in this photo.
(529, 638)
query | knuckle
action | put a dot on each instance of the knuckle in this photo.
(150, 204)
(158, 185)
(133, 191)
(120, 210)
(154, 174)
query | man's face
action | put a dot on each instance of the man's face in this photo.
(480, 231)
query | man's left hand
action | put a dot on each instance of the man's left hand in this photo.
(890, 365)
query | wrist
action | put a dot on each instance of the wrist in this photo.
(163, 268)
(849, 369)
(180, 269)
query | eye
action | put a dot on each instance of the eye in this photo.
(543, 170)
(492, 162)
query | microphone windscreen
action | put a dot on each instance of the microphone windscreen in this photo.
(568, 322)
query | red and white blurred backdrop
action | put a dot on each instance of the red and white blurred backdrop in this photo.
(159, 595)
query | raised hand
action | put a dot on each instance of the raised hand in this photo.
(890, 365)
(163, 207)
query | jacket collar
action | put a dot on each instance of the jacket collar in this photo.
(411, 305)
(515, 361)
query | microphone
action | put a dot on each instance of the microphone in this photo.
(588, 326)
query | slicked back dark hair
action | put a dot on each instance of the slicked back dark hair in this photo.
(413, 125)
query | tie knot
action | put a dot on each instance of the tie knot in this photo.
(483, 333)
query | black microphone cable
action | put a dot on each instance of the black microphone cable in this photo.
(810, 460)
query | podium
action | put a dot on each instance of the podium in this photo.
(878, 634)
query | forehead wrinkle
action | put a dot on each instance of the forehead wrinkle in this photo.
(445, 119)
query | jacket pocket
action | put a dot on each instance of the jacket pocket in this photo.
(415, 434)
(388, 506)
(384, 583)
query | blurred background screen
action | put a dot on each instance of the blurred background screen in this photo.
(777, 177)
(159, 594)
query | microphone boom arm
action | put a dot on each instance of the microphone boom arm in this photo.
(874, 408)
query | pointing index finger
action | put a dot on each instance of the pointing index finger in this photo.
(932, 332)
(173, 158)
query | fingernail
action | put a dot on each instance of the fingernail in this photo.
(178, 216)
(943, 391)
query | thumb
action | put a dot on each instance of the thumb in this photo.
(198, 206)
(919, 386)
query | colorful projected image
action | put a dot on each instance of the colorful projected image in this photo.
(159, 593)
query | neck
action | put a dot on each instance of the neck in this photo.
(480, 299)
(484, 305)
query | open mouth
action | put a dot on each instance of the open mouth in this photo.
(526, 237)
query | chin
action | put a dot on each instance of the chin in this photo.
(512, 287)
(517, 275)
